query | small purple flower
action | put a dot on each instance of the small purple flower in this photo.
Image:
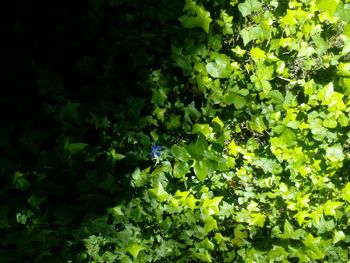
(155, 151)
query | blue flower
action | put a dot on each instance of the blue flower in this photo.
(155, 151)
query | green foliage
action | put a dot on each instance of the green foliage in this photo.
(198, 17)
(237, 152)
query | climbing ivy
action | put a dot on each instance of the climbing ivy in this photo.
(256, 174)
(237, 152)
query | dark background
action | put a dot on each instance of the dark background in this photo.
(62, 63)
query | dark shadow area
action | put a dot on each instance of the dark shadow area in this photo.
(74, 73)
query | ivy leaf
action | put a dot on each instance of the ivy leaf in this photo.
(237, 100)
(201, 19)
(200, 170)
(330, 206)
(198, 149)
(312, 243)
(159, 95)
(265, 72)
(211, 206)
(335, 153)
(210, 224)
(180, 153)
(257, 53)
(288, 228)
(233, 148)
(268, 165)
(303, 200)
(69, 111)
(204, 129)
(19, 182)
(290, 100)
(206, 243)
(330, 121)
(289, 19)
(300, 216)
(204, 256)
(218, 121)
(249, 6)
(249, 35)
(330, 6)
(191, 202)
(276, 97)
(213, 69)
(346, 193)
(262, 77)
(215, 42)
(338, 236)
(257, 123)
(158, 192)
(75, 148)
(287, 138)
(323, 225)
(134, 249)
(114, 156)
(343, 120)
(331, 98)
(174, 122)
(345, 84)
(180, 59)
(237, 50)
(221, 68)
(305, 50)
(343, 69)
(257, 219)
(181, 169)
(21, 218)
(140, 178)
(317, 129)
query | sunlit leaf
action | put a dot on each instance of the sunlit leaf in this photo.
(335, 153)
(201, 19)
(343, 69)
(204, 129)
(134, 249)
(257, 53)
(234, 149)
(210, 224)
(313, 247)
(338, 236)
(181, 169)
(211, 206)
(323, 225)
(220, 68)
(218, 121)
(237, 100)
(158, 192)
(180, 153)
(330, 207)
(346, 192)
(257, 219)
(200, 170)
(257, 123)
(330, 6)
(300, 216)
(248, 7)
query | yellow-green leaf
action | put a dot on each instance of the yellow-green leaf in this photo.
(257, 219)
(134, 249)
(158, 192)
(329, 207)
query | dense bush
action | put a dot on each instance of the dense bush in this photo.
(170, 131)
